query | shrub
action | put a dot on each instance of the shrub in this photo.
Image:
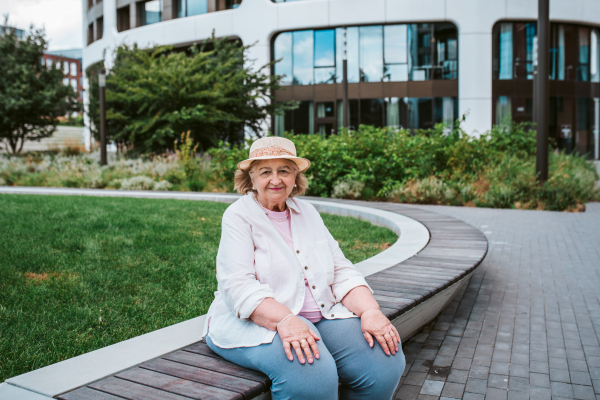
(348, 189)
(137, 183)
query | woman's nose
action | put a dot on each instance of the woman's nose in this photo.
(275, 181)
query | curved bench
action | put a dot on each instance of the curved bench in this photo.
(413, 281)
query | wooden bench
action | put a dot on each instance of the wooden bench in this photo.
(411, 294)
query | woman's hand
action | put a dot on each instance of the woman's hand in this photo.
(295, 333)
(374, 323)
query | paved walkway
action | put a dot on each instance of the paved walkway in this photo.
(528, 324)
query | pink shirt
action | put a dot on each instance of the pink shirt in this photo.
(310, 310)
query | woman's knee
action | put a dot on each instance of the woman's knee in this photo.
(318, 380)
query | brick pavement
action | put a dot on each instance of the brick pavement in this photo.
(527, 325)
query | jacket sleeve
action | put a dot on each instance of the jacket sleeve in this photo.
(236, 275)
(346, 277)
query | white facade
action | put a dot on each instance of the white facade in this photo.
(257, 21)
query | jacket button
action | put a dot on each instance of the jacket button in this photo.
(322, 305)
(332, 315)
(297, 251)
(305, 267)
(314, 287)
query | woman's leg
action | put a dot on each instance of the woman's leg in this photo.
(365, 372)
(290, 379)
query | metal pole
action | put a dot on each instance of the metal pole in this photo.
(540, 100)
(345, 116)
(102, 98)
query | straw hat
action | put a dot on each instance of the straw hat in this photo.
(274, 147)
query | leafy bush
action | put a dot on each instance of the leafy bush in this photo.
(496, 169)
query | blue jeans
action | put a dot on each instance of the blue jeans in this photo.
(364, 372)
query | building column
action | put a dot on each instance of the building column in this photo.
(133, 17)
(169, 10)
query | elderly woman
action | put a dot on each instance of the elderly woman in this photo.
(289, 304)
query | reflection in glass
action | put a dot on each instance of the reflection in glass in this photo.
(283, 50)
(325, 48)
(325, 129)
(583, 68)
(420, 113)
(302, 57)
(371, 112)
(280, 124)
(505, 52)
(352, 54)
(419, 37)
(396, 112)
(325, 110)
(352, 114)
(371, 53)
(395, 73)
(445, 51)
(186, 8)
(445, 110)
(595, 56)
(152, 12)
(596, 128)
(395, 44)
(325, 75)
(503, 110)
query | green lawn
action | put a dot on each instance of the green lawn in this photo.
(80, 273)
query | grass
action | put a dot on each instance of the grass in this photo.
(81, 273)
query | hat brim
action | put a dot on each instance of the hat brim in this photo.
(302, 163)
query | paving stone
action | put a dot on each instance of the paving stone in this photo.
(432, 388)
(473, 396)
(454, 390)
(538, 393)
(476, 386)
(496, 394)
(578, 365)
(408, 392)
(427, 397)
(415, 378)
(561, 389)
(519, 370)
(518, 396)
(458, 376)
(518, 384)
(479, 372)
(581, 378)
(539, 367)
(498, 381)
(499, 368)
(461, 363)
(583, 392)
(539, 380)
(558, 363)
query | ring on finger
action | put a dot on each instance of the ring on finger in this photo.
(302, 341)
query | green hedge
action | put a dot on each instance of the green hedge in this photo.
(496, 169)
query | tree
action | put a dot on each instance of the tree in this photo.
(153, 95)
(32, 95)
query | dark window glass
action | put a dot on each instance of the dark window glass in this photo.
(396, 112)
(445, 52)
(583, 138)
(523, 49)
(123, 19)
(303, 57)
(420, 112)
(325, 129)
(371, 53)
(371, 112)
(231, 4)
(303, 118)
(503, 51)
(420, 63)
(445, 110)
(325, 110)
(99, 28)
(352, 111)
(583, 69)
(283, 51)
(151, 12)
(595, 56)
(186, 8)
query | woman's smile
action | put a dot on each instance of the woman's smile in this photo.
(276, 188)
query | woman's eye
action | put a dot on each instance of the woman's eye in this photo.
(284, 173)
(265, 173)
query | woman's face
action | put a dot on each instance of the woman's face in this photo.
(274, 180)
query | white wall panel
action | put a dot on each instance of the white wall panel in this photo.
(475, 16)
(479, 115)
(344, 12)
(521, 9)
(415, 10)
(566, 10)
(303, 14)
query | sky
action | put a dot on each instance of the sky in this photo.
(60, 18)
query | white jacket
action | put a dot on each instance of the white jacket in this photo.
(254, 263)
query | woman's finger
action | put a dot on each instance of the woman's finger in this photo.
(313, 346)
(368, 338)
(397, 335)
(288, 350)
(383, 344)
(298, 349)
(390, 342)
(314, 335)
(306, 348)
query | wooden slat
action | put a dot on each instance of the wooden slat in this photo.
(133, 391)
(217, 365)
(177, 385)
(202, 348)
(232, 383)
(86, 393)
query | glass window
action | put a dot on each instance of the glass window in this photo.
(303, 57)
(371, 112)
(304, 121)
(395, 57)
(420, 63)
(74, 84)
(396, 112)
(325, 129)
(352, 111)
(49, 62)
(325, 110)
(325, 56)
(280, 123)
(73, 69)
(596, 128)
(445, 110)
(445, 51)
(66, 81)
(151, 12)
(503, 110)
(420, 113)
(371, 53)
(232, 4)
(524, 35)
(595, 56)
(186, 8)
(583, 69)
(65, 67)
(58, 65)
(283, 51)
(351, 52)
(505, 51)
